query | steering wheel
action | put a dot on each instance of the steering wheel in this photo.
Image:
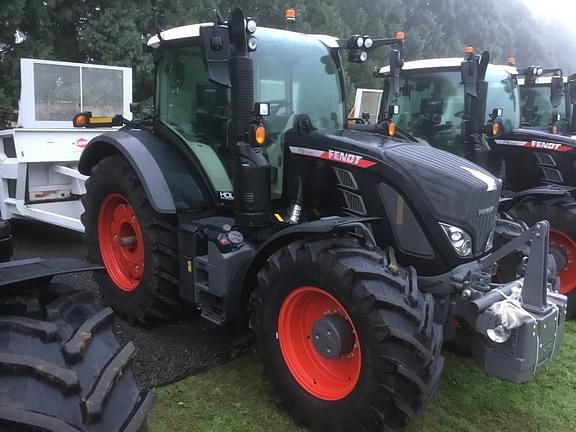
(277, 104)
(459, 114)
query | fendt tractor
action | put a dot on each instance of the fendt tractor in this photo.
(546, 99)
(472, 108)
(62, 368)
(352, 254)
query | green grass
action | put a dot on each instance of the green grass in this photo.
(234, 398)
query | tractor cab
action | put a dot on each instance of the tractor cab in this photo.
(545, 101)
(288, 69)
(432, 101)
(476, 109)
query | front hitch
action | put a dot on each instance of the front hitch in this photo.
(517, 326)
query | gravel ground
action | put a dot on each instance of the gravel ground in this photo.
(166, 351)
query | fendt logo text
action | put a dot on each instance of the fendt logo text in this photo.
(348, 158)
(544, 145)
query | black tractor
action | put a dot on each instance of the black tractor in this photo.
(352, 254)
(472, 108)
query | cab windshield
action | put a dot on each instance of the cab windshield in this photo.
(432, 104)
(432, 107)
(503, 92)
(294, 74)
(536, 107)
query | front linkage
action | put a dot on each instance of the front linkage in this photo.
(522, 321)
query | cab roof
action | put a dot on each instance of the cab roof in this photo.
(193, 30)
(453, 62)
(542, 80)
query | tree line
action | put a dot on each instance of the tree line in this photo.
(114, 32)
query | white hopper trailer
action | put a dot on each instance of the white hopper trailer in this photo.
(38, 159)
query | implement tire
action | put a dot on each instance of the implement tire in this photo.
(561, 213)
(62, 369)
(137, 245)
(386, 370)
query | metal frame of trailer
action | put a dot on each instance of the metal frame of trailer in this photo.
(38, 159)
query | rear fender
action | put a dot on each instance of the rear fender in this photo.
(171, 182)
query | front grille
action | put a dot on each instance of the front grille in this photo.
(345, 178)
(545, 159)
(552, 175)
(354, 202)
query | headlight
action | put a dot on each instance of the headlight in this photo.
(459, 239)
(490, 241)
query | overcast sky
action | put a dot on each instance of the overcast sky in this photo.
(564, 10)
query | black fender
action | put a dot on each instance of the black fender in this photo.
(335, 225)
(170, 180)
(539, 193)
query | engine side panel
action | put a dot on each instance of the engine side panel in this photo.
(533, 158)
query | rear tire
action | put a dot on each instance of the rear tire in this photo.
(141, 280)
(63, 370)
(561, 213)
(396, 363)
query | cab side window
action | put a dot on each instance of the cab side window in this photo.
(195, 109)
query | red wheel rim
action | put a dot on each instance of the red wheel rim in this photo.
(565, 246)
(121, 242)
(326, 379)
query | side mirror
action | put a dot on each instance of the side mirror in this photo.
(556, 91)
(469, 74)
(393, 110)
(396, 63)
(215, 43)
(572, 89)
(497, 112)
(135, 107)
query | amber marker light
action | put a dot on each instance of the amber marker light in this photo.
(290, 14)
(400, 36)
(260, 135)
(495, 129)
(80, 120)
(391, 129)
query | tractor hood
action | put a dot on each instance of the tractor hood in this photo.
(440, 186)
(535, 138)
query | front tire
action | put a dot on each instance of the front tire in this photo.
(380, 377)
(137, 245)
